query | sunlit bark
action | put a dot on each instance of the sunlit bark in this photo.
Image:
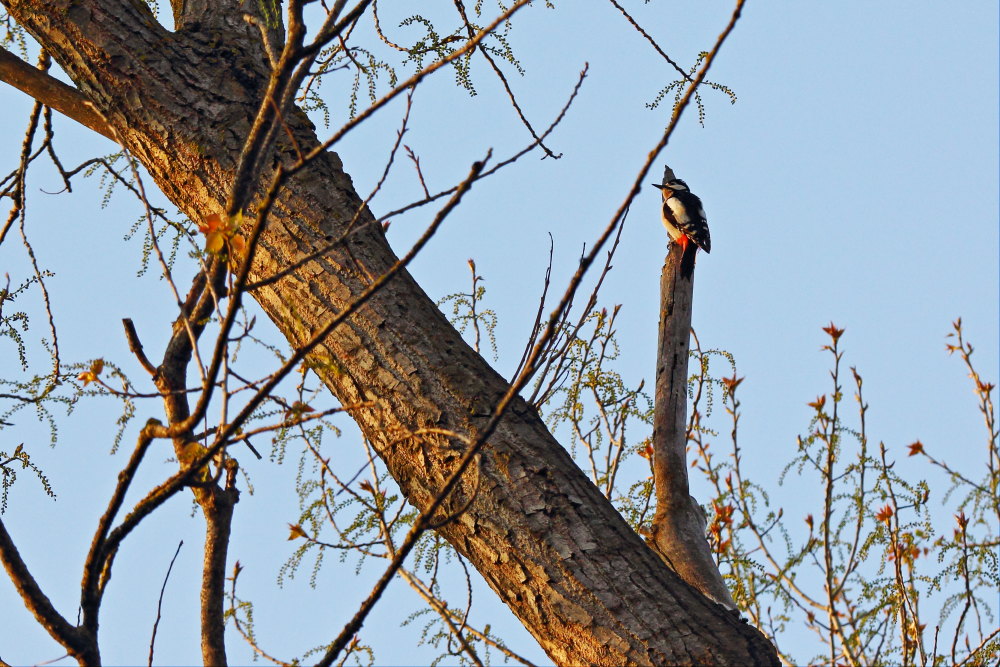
(544, 538)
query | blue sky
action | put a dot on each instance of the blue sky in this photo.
(854, 181)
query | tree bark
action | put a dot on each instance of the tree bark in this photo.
(544, 538)
(218, 527)
(679, 523)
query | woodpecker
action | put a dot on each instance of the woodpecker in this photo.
(684, 218)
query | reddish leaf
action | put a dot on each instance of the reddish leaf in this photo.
(833, 332)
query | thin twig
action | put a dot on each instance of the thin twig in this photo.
(663, 54)
(171, 486)
(333, 243)
(503, 79)
(159, 602)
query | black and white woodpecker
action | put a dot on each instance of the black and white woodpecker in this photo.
(684, 217)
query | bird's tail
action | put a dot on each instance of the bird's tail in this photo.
(687, 260)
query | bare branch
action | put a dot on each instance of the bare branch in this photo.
(503, 79)
(52, 92)
(79, 644)
(135, 346)
(159, 603)
(678, 525)
(663, 54)
(100, 557)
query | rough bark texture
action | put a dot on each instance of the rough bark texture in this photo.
(679, 522)
(583, 583)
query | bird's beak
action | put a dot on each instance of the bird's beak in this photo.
(657, 185)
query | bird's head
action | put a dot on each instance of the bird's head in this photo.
(670, 187)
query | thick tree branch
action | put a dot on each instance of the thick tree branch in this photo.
(679, 523)
(80, 645)
(218, 509)
(544, 537)
(52, 92)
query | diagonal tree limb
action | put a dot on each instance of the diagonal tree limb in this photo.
(51, 92)
(73, 639)
(551, 546)
(99, 558)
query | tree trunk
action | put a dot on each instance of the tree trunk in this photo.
(583, 583)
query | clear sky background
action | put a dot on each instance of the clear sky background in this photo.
(854, 181)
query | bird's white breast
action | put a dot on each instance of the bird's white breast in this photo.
(679, 210)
